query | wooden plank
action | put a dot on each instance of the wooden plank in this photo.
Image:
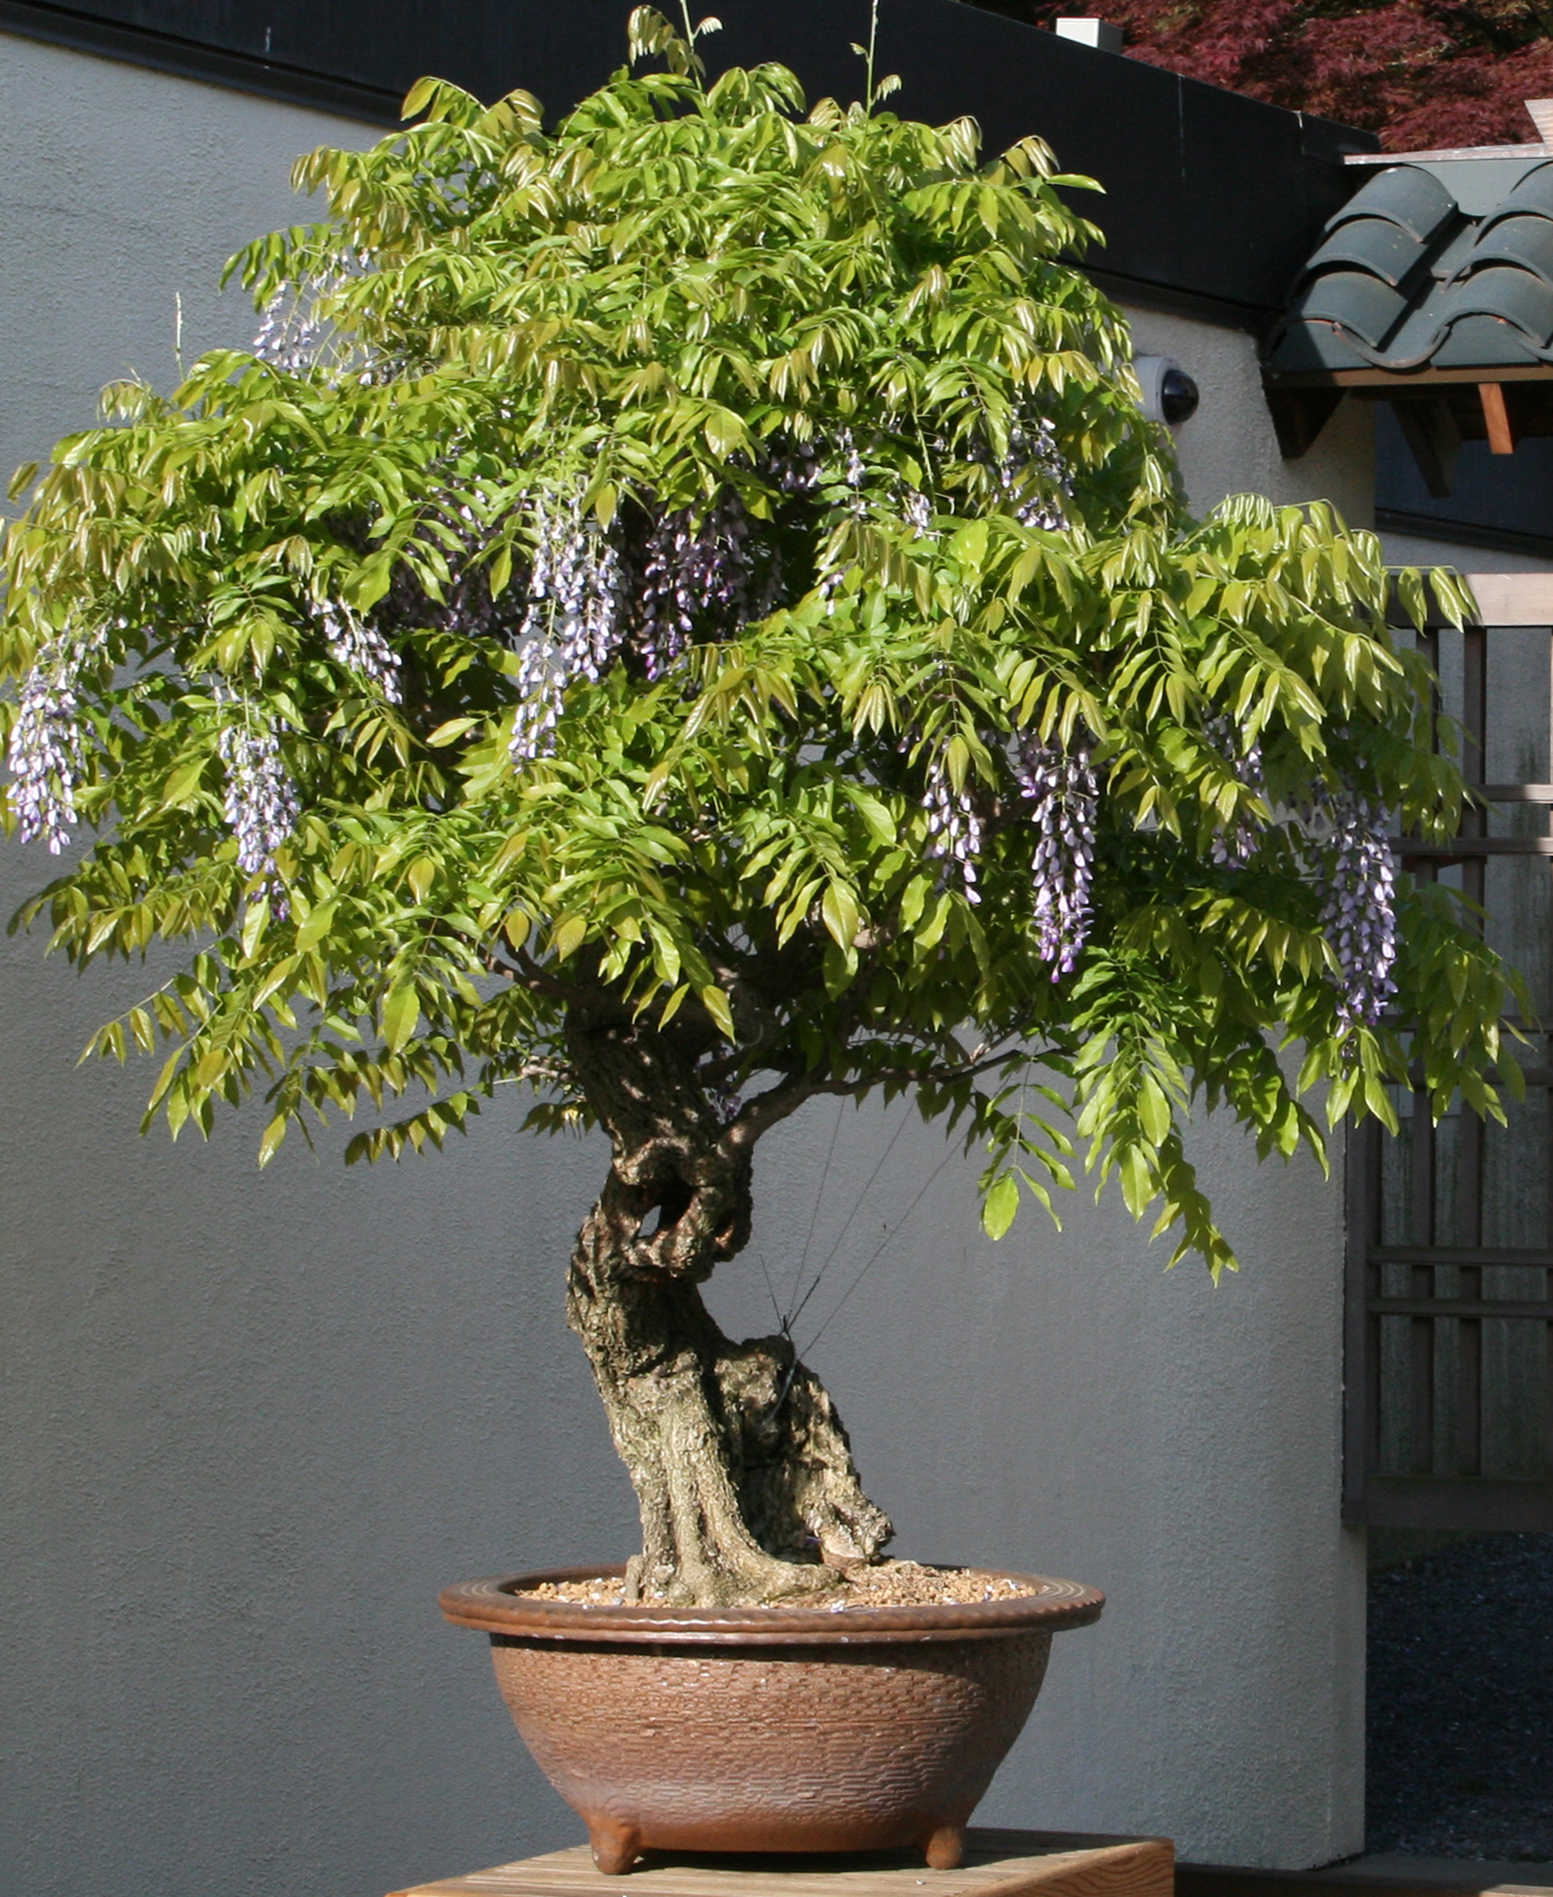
(1522, 1505)
(997, 1864)
(1223, 1880)
(1382, 384)
(1508, 602)
(1459, 1255)
(1513, 599)
(1498, 422)
(1535, 1310)
(1461, 849)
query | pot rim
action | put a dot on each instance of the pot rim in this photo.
(490, 1606)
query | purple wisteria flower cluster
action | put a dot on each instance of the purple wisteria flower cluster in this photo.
(1245, 762)
(593, 593)
(1033, 449)
(260, 801)
(292, 332)
(693, 570)
(574, 624)
(856, 469)
(361, 649)
(1064, 793)
(47, 752)
(796, 469)
(1359, 915)
(954, 830)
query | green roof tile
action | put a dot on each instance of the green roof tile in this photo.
(1406, 195)
(1362, 304)
(1374, 244)
(1523, 242)
(1406, 279)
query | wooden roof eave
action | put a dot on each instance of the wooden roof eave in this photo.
(1397, 380)
(1436, 409)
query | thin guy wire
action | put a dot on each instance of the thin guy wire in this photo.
(857, 1206)
(771, 1293)
(837, 1309)
(830, 1153)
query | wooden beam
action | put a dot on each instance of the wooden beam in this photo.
(1504, 600)
(1471, 1502)
(1421, 378)
(1468, 849)
(1299, 415)
(1520, 1256)
(1430, 431)
(1513, 599)
(1534, 1310)
(1497, 419)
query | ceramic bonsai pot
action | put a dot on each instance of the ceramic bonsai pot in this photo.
(769, 1728)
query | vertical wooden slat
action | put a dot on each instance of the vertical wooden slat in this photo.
(1445, 1378)
(1469, 1440)
(1547, 1414)
(1420, 1460)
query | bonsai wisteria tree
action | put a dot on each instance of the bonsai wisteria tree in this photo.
(684, 612)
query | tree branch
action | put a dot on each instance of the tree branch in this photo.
(779, 1103)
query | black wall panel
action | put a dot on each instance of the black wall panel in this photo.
(1211, 200)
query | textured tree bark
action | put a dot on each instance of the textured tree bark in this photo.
(742, 1469)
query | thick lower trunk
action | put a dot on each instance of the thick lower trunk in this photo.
(742, 1469)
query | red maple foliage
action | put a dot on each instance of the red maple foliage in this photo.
(1422, 74)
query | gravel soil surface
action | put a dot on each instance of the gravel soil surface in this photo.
(1461, 1702)
(890, 1584)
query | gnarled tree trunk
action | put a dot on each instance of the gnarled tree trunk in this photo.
(741, 1466)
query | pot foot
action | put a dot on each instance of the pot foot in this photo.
(615, 1848)
(945, 1848)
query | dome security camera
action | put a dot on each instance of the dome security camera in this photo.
(1169, 393)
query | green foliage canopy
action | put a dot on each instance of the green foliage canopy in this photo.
(835, 346)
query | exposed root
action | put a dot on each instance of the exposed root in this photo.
(798, 1485)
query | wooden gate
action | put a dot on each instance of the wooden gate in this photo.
(1449, 1349)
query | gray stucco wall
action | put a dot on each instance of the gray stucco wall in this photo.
(252, 1422)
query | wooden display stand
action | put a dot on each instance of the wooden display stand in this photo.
(997, 1864)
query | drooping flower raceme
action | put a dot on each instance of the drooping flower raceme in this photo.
(1035, 448)
(292, 332)
(1245, 762)
(1064, 796)
(954, 831)
(694, 569)
(47, 752)
(574, 623)
(1359, 915)
(260, 800)
(361, 649)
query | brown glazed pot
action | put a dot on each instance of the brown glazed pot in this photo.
(769, 1728)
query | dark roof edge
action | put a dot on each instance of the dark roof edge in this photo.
(1220, 311)
(188, 59)
(1467, 533)
(1178, 238)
